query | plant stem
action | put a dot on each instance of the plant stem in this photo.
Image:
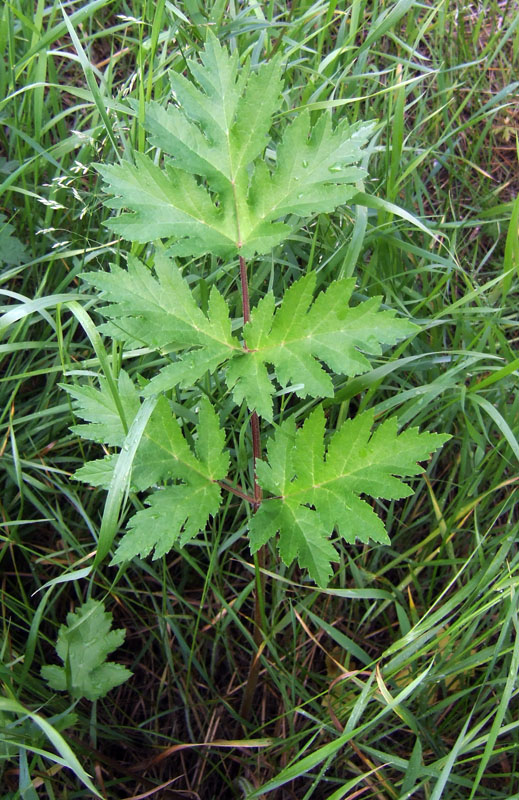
(259, 594)
(256, 454)
(237, 490)
(244, 292)
(258, 635)
(254, 420)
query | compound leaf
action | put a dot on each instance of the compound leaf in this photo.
(180, 511)
(161, 313)
(217, 193)
(83, 645)
(219, 185)
(318, 489)
(167, 203)
(301, 333)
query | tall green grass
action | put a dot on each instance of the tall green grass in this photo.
(400, 680)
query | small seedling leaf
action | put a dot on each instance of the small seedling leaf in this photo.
(83, 645)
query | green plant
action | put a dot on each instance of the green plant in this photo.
(453, 557)
(83, 645)
(220, 193)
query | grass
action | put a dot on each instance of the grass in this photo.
(400, 680)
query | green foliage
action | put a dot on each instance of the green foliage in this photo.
(317, 491)
(219, 193)
(216, 131)
(83, 645)
(107, 419)
(433, 617)
(300, 333)
(179, 511)
(163, 314)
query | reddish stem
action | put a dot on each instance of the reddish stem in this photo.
(259, 594)
(237, 490)
(254, 420)
(256, 454)
(244, 290)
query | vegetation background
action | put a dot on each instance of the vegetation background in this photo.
(400, 680)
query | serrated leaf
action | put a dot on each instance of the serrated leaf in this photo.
(216, 193)
(314, 172)
(318, 489)
(179, 512)
(99, 408)
(166, 203)
(161, 313)
(83, 645)
(163, 452)
(217, 130)
(98, 472)
(303, 332)
(175, 514)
